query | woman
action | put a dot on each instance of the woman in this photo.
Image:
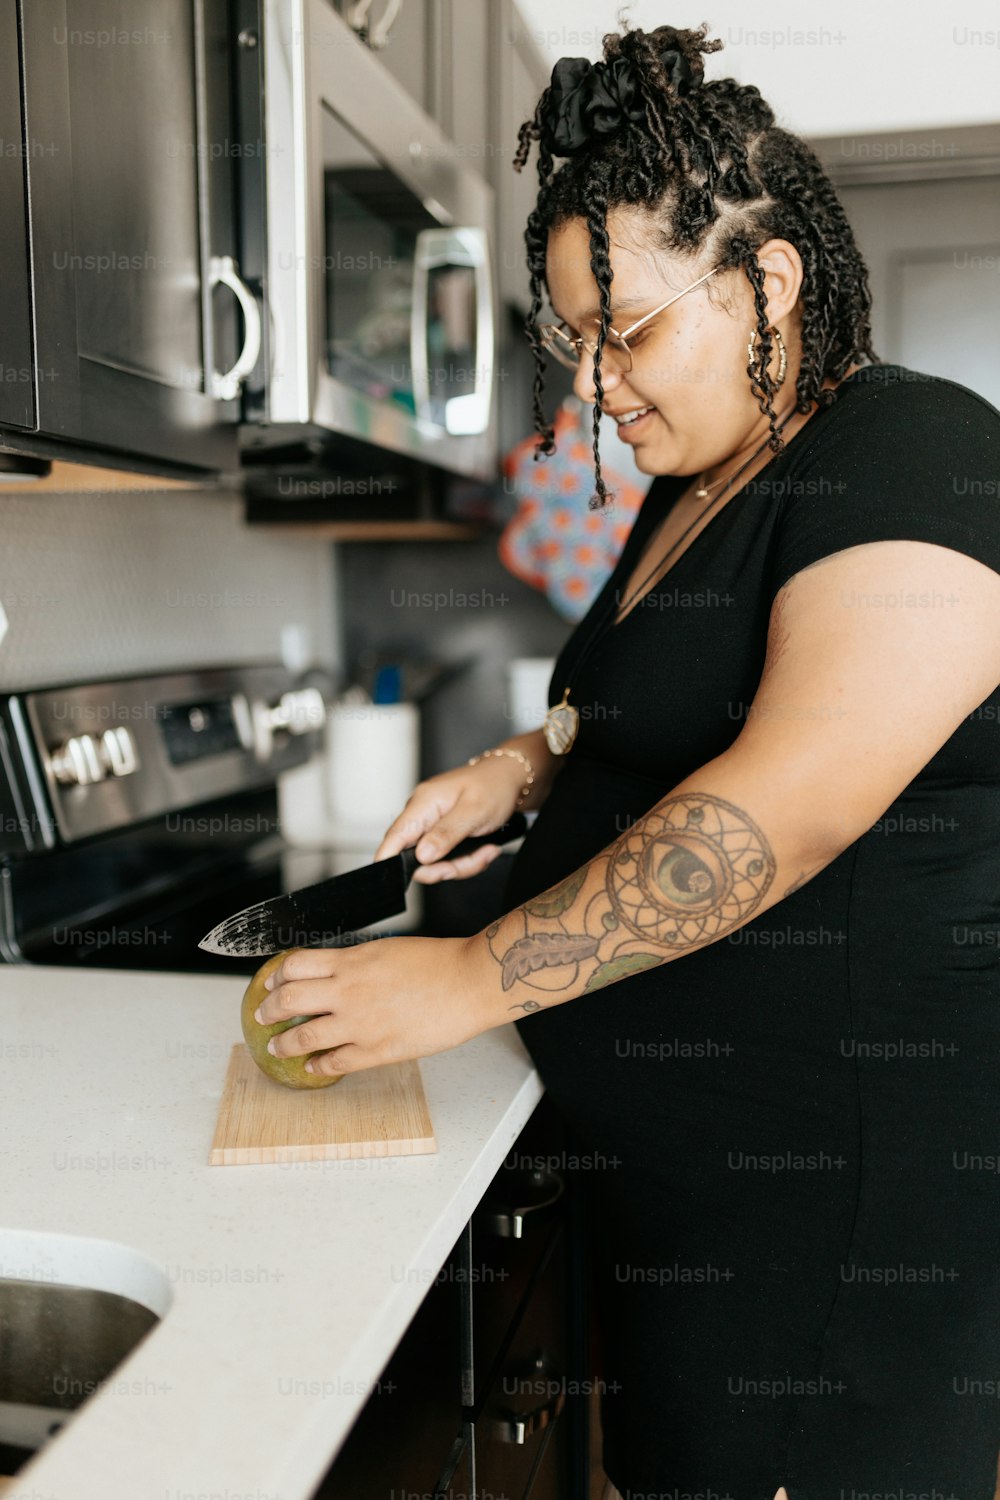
(771, 758)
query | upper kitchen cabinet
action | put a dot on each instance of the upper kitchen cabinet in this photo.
(17, 386)
(462, 101)
(519, 74)
(439, 52)
(141, 324)
(406, 35)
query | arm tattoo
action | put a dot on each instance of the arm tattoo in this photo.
(679, 878)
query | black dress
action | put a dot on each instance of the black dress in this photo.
(795, 1130)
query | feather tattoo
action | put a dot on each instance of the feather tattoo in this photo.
(542, 950)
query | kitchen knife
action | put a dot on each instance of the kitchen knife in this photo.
(326, 914)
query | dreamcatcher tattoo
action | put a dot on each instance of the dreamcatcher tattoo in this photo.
(680, 877)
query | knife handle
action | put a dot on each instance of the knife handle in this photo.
(515, 826)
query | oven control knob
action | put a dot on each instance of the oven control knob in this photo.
(299, 711)
(296, 712)
(78, 762)
(118, 751)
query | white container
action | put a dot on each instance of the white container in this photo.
(357, 782)
(303, 807)
(373, 765)
(528, 692)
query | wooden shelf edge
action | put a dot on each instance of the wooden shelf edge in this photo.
(73, 479)
(378, 531)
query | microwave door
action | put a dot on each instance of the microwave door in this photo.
(381, 299)
(452, 330)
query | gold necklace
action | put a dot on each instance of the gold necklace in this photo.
(702, 492)
(562, 721)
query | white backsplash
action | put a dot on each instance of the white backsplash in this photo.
(106, 584)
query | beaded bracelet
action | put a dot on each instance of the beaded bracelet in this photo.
(516, 754)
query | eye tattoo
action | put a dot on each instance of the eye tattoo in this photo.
(679, 878)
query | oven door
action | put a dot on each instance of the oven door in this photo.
(381, 282)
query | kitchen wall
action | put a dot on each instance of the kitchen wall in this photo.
(104, 584)
(456, 603)
(933, 253)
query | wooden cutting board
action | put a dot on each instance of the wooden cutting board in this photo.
(375, 1112)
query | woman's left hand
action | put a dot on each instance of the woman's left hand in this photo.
(380, 1001)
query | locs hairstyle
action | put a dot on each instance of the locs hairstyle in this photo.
(642, 128)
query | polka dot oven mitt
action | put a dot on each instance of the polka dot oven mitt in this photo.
(554, 542)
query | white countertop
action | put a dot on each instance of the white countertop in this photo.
(284, 1289)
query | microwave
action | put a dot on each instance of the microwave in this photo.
(376, 266)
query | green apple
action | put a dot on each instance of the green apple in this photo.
(287, 1070)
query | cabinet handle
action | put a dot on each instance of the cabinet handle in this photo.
(510, 1222)
(377, 37)
(222, 271)
(520, 1429)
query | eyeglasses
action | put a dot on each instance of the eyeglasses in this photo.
(616, 354)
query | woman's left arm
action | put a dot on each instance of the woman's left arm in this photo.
(875, 655)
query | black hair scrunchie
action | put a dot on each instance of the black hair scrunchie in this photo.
(588, 100)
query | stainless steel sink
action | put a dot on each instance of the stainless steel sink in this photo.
(62, 1339)
(58, 1345)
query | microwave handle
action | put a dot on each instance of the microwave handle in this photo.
(466, 415)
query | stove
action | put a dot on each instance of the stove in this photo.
(136, 814)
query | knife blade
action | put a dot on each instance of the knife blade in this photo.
(327, 914)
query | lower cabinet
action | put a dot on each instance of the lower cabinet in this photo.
(458, 1482)
(475, 1402)
(400, 1444)
(522, 1431)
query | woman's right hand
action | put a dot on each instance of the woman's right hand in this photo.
(447, 808)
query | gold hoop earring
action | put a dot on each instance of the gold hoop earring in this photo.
(782, 357)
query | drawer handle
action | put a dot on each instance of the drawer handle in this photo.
(519, 1430)
(510, 1223)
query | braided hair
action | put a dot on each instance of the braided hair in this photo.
(643, 129)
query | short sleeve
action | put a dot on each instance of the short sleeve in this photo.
(907, 458)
